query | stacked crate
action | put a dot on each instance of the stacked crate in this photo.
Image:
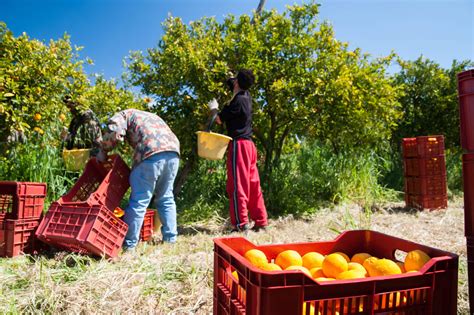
(466, 111)
(425, 172)
(21, 208)
(83, 220)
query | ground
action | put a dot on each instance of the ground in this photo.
(178, 279)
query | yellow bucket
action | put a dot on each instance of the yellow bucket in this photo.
(76, 159)
(212, 146)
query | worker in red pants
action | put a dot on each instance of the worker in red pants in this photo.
(243, 181)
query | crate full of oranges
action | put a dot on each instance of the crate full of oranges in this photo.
(360, 272)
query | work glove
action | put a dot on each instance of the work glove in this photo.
(213, 104)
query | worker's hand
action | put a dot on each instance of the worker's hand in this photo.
(101, 156)
(213, 104)
(218, 120)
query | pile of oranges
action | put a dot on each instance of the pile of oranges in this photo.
(338, 265)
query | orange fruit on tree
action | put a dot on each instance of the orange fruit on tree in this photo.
(62, 117)
(312, 260)
(37, 117)
(360, 257)
(270, 267)
(317, 272)
(343, 255)
(288, 258)
(334, 264)
(384, 267)
(256, 257)
(416, 259)
(350, 274)
(356, 266)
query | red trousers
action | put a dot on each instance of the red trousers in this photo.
(243, 184)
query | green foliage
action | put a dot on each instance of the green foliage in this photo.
(39, 159)
(314, 176)
(203, 196)
(430, 100)
(308, 83)
(35, 76)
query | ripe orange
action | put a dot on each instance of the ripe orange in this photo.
(256, 257)
(317, 272)
(270, 267)
(37, 117)
(356, 266)
(360, 257)
(312, 260)
(369, 265)
(415, 260)
(384, 267)
(324, 279)
(350, 274)
(402, 266)
(333, 265)
(62, 117)
(343, 255)
(300, 268)
(288, 258)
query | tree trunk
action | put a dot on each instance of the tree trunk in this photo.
(183, 174)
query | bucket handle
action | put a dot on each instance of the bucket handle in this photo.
(211, 121)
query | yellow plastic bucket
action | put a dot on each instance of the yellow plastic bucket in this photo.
(211, 145)
(76, 159)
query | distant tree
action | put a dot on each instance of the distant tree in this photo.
(429, 100)
(308, 83)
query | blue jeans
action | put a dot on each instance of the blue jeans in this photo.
(154, 174)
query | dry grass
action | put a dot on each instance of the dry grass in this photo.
(178, 279)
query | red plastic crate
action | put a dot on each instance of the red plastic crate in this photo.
(19, 236)
(147, 228)
(22, 200)
(470, 269)
(100, 183)
(428, 185)
(84, 229)
(430, 202)
(466, 82)
(466, 113)
(468, 183)
(423, 146)
(432, 166)
(432, 290)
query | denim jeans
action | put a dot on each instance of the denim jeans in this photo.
(155, 174)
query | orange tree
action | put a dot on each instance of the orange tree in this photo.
(429, 100)
(35, 76)
(308, 83)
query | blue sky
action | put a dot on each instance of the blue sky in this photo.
(441, 30)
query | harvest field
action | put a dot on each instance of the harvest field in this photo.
(178, 279)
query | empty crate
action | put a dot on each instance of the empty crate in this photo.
(84, 229)
(22, 200)
(100, 183)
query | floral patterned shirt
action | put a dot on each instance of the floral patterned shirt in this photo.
(147, 133)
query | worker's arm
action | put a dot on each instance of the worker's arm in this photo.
(231, 110)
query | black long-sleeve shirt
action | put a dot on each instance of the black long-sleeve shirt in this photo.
(237, 116)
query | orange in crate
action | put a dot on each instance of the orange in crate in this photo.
(432, 290)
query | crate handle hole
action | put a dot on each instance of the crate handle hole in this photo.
(399, 255)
